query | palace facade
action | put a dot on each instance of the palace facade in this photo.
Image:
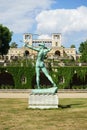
(57, 52)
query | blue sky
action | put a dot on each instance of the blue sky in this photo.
(69, 4)
(44, 18)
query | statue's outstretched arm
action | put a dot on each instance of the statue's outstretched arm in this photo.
(31, 47)
(48, 49)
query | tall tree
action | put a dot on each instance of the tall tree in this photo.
(83, 51)
(5, 38)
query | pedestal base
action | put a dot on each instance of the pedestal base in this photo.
(43, 101)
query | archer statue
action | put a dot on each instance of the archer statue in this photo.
(42, 52)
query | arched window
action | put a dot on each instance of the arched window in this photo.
(26, 53)
(57, 53)
(23, 79)
(6, 79)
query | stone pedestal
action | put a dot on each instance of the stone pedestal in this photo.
(43, 101)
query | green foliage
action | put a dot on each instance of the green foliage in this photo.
(58, 73)
(72, 46)
(5, 38)
(18, 73)
(83, 50)
(67, 74)
(84, 56)
(13, 45)
(82, 46)
(79, 87)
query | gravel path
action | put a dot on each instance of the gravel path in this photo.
(26, 94)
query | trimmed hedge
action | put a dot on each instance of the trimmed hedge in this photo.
(66, 73)
(17, 74)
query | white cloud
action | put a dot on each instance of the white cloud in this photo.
(71, 23)
(19, 15)
(44, 36)
(25, 15)
(62, 20)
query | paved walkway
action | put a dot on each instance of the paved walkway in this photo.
(26, 94)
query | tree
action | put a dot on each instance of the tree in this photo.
(5, 38)
(84, 56)
(83, 51)
(72, 46)
(82, 47)
(13, 45)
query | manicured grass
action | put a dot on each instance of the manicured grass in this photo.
(71, 115)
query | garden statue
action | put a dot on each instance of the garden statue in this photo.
(42, 52)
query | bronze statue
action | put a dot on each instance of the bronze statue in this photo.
(42, 52)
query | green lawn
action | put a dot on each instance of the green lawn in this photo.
(71, 115)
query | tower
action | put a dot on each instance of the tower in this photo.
(27, 38)
(56, 40)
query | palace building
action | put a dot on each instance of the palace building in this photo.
(57, 52)
(54, 42)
